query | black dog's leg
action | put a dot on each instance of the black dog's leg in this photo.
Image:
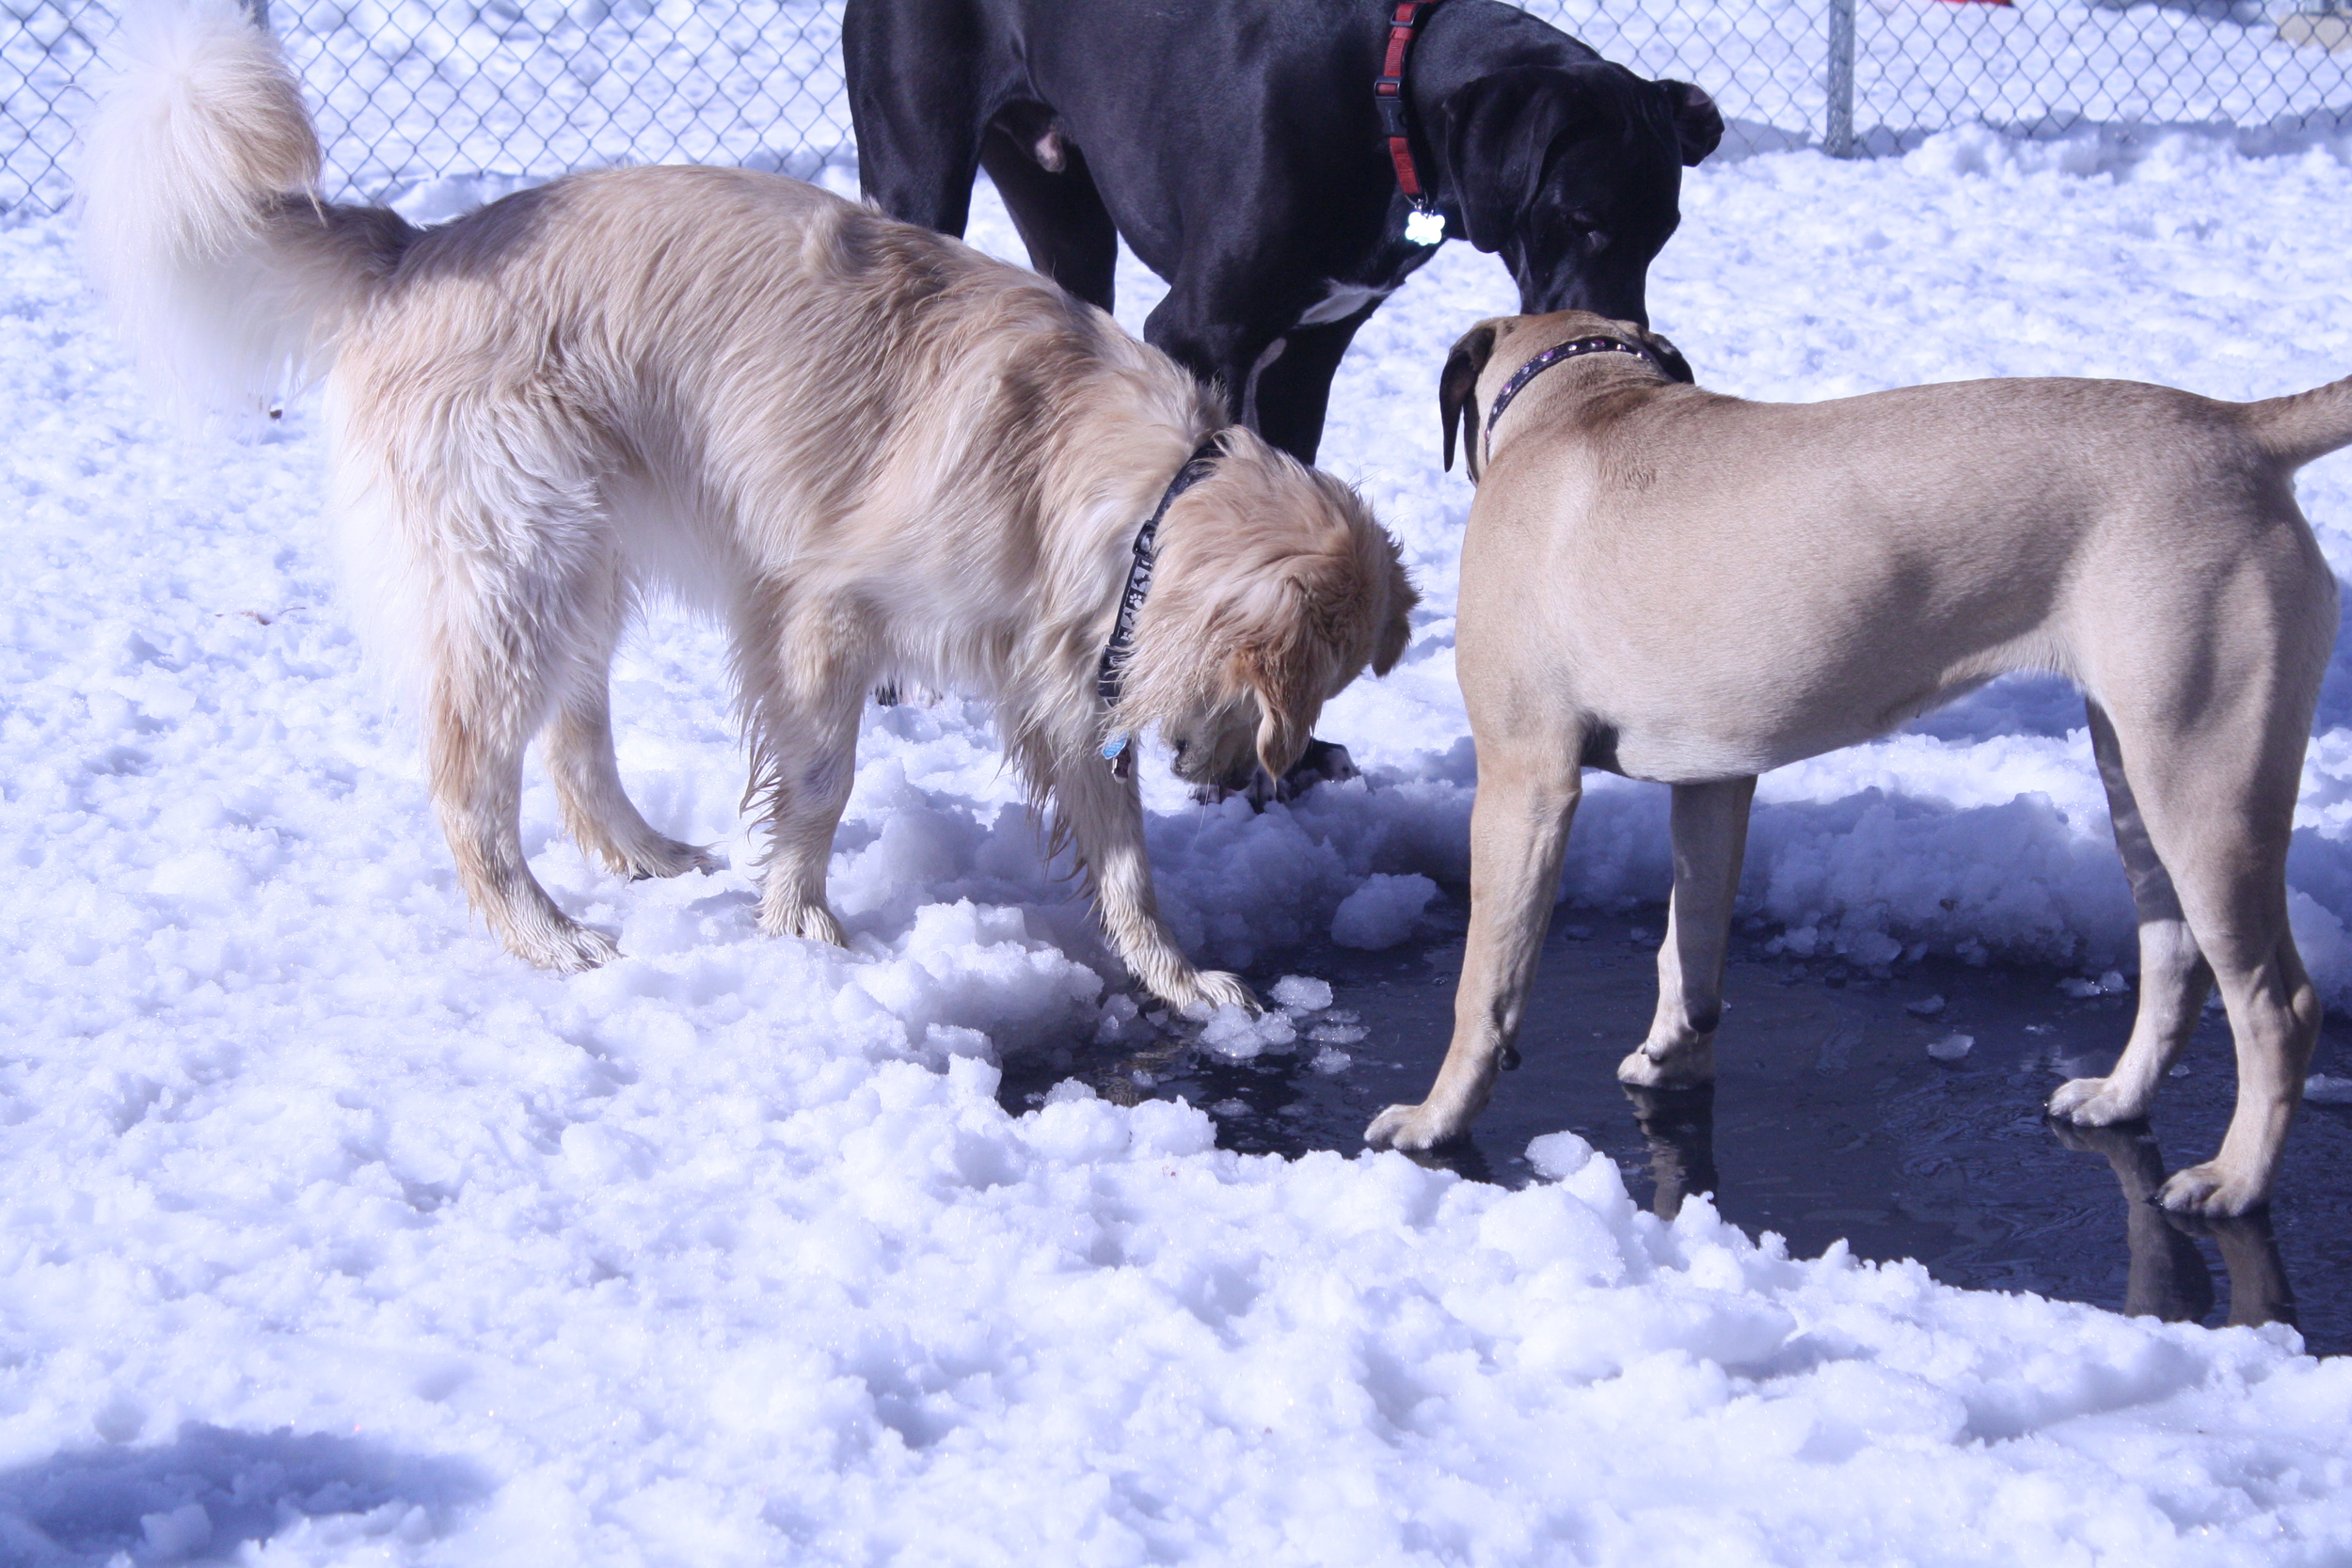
(1223, 349)
(1060, 214)
(1295, 391)
(914, 109)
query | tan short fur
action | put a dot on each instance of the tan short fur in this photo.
(1677, 585)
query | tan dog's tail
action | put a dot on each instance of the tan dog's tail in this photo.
(201, 215)
(2293, 430)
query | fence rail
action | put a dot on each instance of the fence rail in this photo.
(412, 91)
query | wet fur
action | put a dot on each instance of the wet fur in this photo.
(879, 455)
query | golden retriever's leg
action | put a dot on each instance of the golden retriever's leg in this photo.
(2173, 974)
(1528, 790)
(804, 678)
(490, 692)
(1710, 838)
(1105, 814)
(602, 819)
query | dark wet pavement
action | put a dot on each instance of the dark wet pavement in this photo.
(1830, 1117)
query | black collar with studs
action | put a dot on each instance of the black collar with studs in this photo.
(1557, 353)
(1111, 673)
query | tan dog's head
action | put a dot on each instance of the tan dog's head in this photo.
(1274, 588)
(1510, 341)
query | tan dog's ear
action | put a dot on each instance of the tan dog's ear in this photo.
(1457, 392)
(1670, 356)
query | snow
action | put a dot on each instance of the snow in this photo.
(1382, 911)
(334, 1236)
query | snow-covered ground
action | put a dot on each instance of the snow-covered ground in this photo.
(332, 1235)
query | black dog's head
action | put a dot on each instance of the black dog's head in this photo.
(1573, 174)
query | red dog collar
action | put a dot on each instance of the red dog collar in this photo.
(1388, 92)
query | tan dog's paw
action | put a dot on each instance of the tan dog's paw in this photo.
(2095, 1102)
(2210, 1192)
(1414, 1128)
(1686, 1068)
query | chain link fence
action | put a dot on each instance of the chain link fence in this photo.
(409, 92)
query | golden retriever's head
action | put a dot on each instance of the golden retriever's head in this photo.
(1274, 588)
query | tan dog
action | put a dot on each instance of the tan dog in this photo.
(880, 455)
(1670, 584)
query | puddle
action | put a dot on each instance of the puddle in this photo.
(1832, 1117)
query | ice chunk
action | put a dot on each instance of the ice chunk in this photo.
(1951, 1048)
(2321, 1089)
(1381, 913)
(1927, 1006)
(1302, 992)
(1558, 1154)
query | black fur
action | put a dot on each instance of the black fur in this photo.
(1235, 144)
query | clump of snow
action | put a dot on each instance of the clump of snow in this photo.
(1238, 1034)
(1383, 912)
(1558, 1154)
(1303, 993)
(1926, 1006)
(1951, 1048)
(1331, 1059)
(2322, 1089)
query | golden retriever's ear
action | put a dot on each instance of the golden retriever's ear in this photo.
(1396, 628)
(1278, 659)
(1457, 392)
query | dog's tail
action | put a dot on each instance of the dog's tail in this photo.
(201, 215)
(2293, 430)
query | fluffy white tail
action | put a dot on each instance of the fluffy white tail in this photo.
(201, 210)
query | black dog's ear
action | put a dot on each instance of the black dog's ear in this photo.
(1457, 392)
(1492, 135)
(1670, 356)
(1698, 124)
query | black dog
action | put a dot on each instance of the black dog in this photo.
(1237, 145)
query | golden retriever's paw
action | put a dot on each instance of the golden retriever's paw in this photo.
(2211, 1191)
(1204, 990)
(809, 922)
(1414, 1127)
(1686, 1068)
(567, 949)
(2095, 1102)
(669, 857)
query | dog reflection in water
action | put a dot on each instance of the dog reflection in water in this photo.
(2169, 1278)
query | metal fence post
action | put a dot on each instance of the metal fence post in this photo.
(1837, 134)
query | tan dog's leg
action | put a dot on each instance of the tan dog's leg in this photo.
(804, 685)
(2218, 806)
(2173, 974)
(1528, 792)
(1710, 839)
(598, 810)
(1105, 816)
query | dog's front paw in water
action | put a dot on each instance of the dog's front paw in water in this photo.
(1686, 1068)
(2095, 1102)
(1204, 990)
(2212, 1192)
(1414, 1128)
